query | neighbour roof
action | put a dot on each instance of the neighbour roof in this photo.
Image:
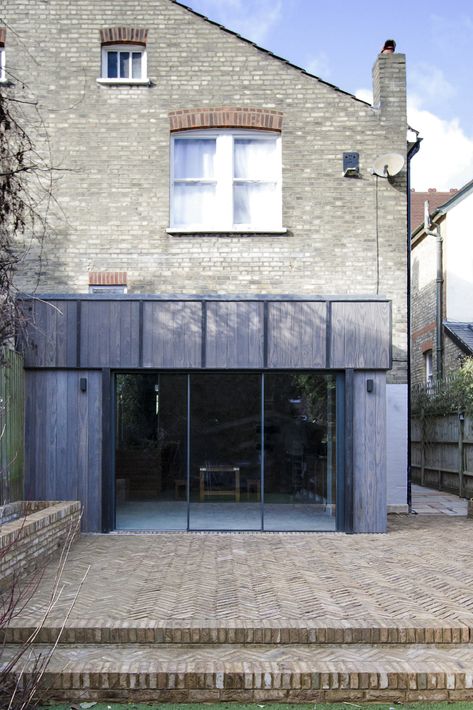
(461, 334)
(436, 199)
(266, 51)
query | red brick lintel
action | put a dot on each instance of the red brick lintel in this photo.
(3, 36)
(226, 117)
(123, 35)
(107, 278)
(423, 331)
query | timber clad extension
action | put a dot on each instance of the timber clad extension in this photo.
(321, 294)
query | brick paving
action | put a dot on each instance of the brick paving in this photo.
(188, 617)
(420, 571)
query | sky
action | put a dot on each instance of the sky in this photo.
(338, 40)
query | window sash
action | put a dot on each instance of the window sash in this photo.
(226, 215)
(124, 63)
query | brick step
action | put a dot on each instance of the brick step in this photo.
(204, 631)
(190, 673)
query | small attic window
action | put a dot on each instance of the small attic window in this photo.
(124, 59)
(123, 62)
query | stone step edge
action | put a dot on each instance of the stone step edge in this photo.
(175, 684)
(156, 632)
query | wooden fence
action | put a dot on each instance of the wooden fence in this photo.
(442, 453)
(11, 428)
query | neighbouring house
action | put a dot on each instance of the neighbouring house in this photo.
(219, 315)
(442, 283)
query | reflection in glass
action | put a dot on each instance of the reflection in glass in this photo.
(222, 419)
(300, 463)
(253, 203)
(225, 411)
(136, 65)
(150, 455)
(194, 158)
(112, 65)
(254, 159)
(124, 65)
(194, 203)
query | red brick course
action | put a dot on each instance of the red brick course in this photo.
(107, 278)
(123, 35)
(226, 117)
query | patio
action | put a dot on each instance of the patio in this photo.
(264, 616)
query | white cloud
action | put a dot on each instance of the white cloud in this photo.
(254, 19)
(445, 159)
(429, 82)
(319, 64)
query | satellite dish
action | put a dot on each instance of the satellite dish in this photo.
(388, 165)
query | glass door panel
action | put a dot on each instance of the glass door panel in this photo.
(225, 463)
(151, 451)
(300, 452)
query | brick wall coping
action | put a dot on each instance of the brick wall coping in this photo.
(123, 35)
(33, 516)
(226, 117)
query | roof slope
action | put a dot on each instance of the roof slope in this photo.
(436, 199)
(461, 334)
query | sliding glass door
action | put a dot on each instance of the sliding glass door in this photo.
(151, 452)
(226, 451)
(225, 455)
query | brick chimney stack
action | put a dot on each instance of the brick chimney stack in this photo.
(389, 86)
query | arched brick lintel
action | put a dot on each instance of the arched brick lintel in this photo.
(123, 35)
(226, 117)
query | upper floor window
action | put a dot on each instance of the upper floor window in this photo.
(124, 55)
(125, 62)
(226, 180)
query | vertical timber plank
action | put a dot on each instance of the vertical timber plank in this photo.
(172, 334)
(296, 334)
(234, 334)
(369, 453)
(360, 335)
(110, 332)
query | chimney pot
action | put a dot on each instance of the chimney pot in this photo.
(389, 47)
(432, 189)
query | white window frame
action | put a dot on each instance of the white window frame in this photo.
(428, 368)
(3, 77)
(224, 179)
(106, 48)
(108, 289)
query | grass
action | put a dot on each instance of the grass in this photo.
(266, 706)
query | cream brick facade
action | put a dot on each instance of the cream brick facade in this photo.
(114, 142)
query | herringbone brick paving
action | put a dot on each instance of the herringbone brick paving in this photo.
(263, 617)
(420, 571)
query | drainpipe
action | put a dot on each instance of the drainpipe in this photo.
(435, 232)
(410, 154)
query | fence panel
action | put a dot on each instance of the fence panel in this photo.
(442, 453)
(12, 393)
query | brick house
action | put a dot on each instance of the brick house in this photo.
(221, 339)
(436, 351)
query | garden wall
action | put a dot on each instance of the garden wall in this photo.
(442, 453)
(33, 532)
